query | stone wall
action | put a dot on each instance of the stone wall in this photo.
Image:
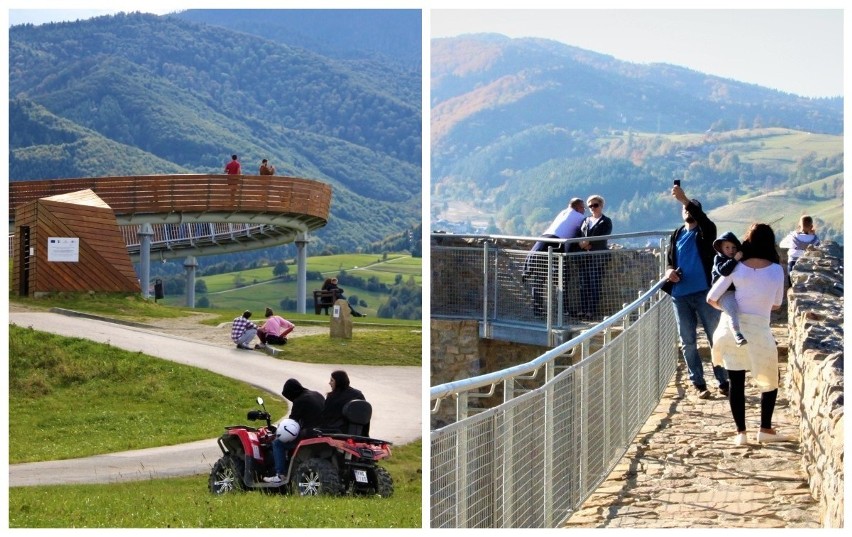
(815, 379)
(457, 353)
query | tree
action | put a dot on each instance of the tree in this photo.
(281, 269)
(200, 286)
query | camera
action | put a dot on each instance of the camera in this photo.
(677, 182)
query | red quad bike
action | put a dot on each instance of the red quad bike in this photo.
(321, 463)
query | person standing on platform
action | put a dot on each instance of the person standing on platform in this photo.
(233, 167)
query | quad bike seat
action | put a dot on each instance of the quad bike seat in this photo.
(357, 414)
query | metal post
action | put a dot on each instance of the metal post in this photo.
(549, 284)
(485, 288)
(190, 264)
(145, 233)
(301, 271)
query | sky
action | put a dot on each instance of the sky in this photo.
(796, 51)
(791, 47)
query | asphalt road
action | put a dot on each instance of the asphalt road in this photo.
(394, 392)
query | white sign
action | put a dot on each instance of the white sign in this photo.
(336, 311)
(63, 249)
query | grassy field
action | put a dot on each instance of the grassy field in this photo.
(261, 289)
(134, 401)
(782, 209)
(186, 503)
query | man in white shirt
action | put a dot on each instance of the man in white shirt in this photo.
(566, 225)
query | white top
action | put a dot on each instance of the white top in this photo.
(566, 225)
(757, 289)
(797, 243)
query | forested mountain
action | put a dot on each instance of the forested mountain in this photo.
(519, 126)
(350, 34)
(142, 94)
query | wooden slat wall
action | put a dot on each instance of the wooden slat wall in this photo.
(190, 193)
(104, 264)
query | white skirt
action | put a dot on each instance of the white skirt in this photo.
(759, 355)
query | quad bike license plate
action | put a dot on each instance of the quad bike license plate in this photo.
(361, 476)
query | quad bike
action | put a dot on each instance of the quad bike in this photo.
(321, 463)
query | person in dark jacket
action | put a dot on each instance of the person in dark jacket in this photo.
(689, 271)
(341, 393)
(330, 284)
(592, 266)
(306, 409)
(730, 253)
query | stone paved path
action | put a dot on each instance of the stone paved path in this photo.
(683, 470)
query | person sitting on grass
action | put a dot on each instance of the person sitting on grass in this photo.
(274, 330)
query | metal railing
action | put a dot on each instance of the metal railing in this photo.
(499, 281)
(181, 237)
(532, 460)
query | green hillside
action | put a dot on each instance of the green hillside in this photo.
(381, 276)
(783, 208)
(138, 94)
(729, 172)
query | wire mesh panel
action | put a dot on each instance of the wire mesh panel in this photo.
(533, 460)
(520, 281)
(457, 282)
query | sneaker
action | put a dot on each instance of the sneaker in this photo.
(766, 438)
(740, 339)
(741, 439)
(725, 389)
(244, 347)
(274, 479)
(703, 392)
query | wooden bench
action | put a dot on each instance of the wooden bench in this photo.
(325, 299)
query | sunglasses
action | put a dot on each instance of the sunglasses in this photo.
(594, 205)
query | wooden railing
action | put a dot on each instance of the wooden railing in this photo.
(198, 214)
(306, 200)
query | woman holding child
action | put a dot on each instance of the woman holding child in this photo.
(759, 281)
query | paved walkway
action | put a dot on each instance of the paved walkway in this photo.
(683, 470)
(394, 392)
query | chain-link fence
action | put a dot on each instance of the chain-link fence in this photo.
(533, 460)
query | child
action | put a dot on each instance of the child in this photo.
(729, 254)
(798, 241)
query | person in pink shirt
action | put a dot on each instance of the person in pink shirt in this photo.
(233, 167)
(274, 330)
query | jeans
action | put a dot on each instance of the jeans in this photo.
(591, 272)
(247, 336)
(688, 311)
(279, 453)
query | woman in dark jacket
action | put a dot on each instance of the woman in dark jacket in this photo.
(330, 284)
(592, 266)
(340, 394)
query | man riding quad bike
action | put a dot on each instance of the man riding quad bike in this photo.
(320, 462)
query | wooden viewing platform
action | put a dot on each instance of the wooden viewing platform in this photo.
(198, 214)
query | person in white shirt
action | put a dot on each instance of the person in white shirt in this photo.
(797, 242)
(566, 225)
(759, 281)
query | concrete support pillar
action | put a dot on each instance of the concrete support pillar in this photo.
(145, 233)
(301, 271)
(190, 265)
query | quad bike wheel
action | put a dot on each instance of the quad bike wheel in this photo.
(314, 477)
(384, 483)
(226, 476)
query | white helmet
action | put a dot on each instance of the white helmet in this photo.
(287, 430)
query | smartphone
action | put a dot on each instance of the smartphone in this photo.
(677, 182)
